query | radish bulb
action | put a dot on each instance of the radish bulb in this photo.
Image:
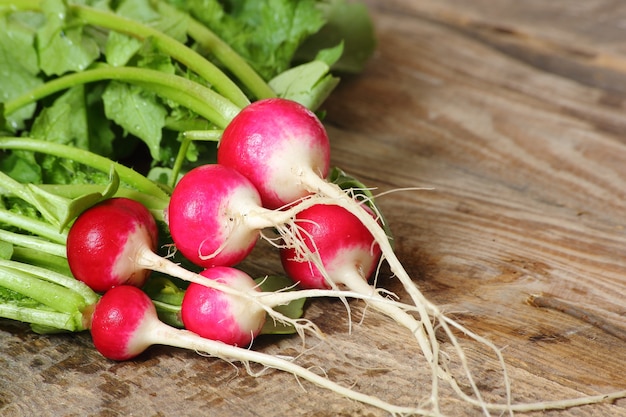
(104, 241)
(337, 250)
(218, 316)
(210, 213)
(273, 142)
(333, 236)
(124, 324)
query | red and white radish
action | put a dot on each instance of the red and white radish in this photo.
(105, 239)
(346, 249)
(124, 324)
(215, 315)
(334, 249)
(273, 142)
(212, 216)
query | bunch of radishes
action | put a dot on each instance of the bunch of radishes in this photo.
(272, 161)
(272, 164)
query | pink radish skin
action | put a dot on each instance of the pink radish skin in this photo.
(345, 248)
(102, 239)
(124, 324)
(270, 142)
(224, 317)
(119, 322)
(339, 252)
(206, 212)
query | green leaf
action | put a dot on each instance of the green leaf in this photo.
(265, 33)
(120, 49)
(22, 166)
(149, 56)
(57, 210)
(73, 120)
(65, 121)
(82, 203)
(137, 112)
(62, 44)
(294, 310)
(172, 22)
(330, 55)
(167, 298)
(18, 67)
(346, 22)
(308, 84)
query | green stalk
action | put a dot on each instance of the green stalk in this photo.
(72, 322)
(172, 123)
(190, 94)
(65, 282)
(212, 135)
(41, 259)
(231, 59)
(180, 159)
(127, 175)
(33, 242)
(47, 293)
(208, 135)
(34, 226)
(156, 205)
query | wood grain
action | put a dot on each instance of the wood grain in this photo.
(513, 112)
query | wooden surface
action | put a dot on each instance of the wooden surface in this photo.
(514, 113)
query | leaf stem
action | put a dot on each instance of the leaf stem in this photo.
(41, 259)
(72, 322)
(66, 282)
(48, 293)
(192, 95)
(32, 225)
(231, 59)
(128, 175)
(33, 242)
(153, 203)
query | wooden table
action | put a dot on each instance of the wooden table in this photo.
(514, 113)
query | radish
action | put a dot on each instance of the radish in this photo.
(105, 237)
(275, 143)
(283, 149)
(334, 249)
(211, 216)
(218, 316)
(346, 249)
(124, 324)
